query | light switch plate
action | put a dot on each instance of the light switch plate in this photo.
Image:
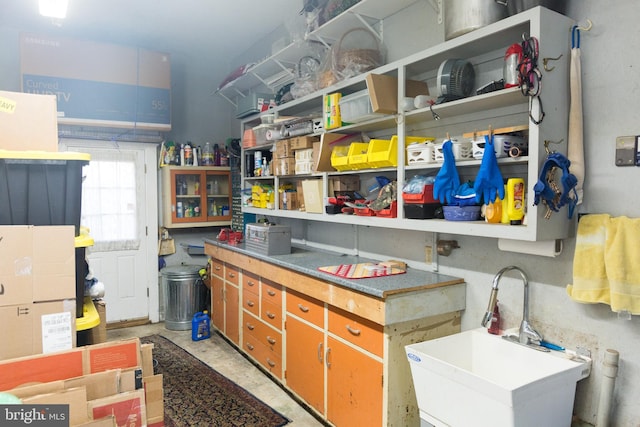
(626, 151)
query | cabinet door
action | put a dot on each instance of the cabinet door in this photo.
(217, 302)
(354, 386)
(218, 195)
(187, 200)
(232, 320)
(305, 363)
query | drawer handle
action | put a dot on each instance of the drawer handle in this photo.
(232, 275)
(251, 283)
(355, 332)
(250, 303)
(271, 315)
(271, 293)
(250, 327)
(250, 347)
(320, 352)
(271, 363)
(326, 358)
(218, 268)
(303, 308)
(271, 340)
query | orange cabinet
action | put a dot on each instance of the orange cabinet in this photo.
(225, 299)
(361, 332)
(231, 318)
(354, 386)
(305, 362)
(217, 302)
(196, 196)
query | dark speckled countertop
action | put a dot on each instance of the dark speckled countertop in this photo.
(307, 260)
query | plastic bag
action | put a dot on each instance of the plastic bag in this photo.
(416, 184)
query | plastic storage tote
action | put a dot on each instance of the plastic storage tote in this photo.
(45, 187)
(358, 155)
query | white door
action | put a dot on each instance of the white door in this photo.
(119, 206)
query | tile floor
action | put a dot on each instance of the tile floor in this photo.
(221, 356)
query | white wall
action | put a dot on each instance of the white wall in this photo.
(610, 102)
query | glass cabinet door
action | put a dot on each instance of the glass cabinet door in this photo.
(218, 188)
(186, 189)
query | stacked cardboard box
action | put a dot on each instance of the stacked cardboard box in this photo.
(19, 112)
(37, 277)
(109, 384)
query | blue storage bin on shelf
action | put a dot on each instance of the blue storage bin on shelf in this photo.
(41, 188)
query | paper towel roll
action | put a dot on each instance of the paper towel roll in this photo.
(550, 248)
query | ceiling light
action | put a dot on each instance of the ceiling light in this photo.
(54, 8)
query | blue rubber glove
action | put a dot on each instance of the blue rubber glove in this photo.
(447, 180)
(489, 182)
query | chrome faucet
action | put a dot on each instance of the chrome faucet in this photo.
(526, 334)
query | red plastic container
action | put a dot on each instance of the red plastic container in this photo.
(422, 198)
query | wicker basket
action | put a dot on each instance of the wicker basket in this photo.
(351, 62)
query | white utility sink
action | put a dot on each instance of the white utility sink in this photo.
(477, 379)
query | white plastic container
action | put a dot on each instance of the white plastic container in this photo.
(356, 107)
(501, 144)
(423, 153)
(461, 151)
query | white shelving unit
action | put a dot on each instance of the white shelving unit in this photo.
(484, 48)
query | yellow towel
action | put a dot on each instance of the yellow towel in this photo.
(605, 267)
(590, 283)
(621, 257)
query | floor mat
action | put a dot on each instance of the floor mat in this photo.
(197, 395)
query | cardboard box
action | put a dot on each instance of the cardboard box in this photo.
(37, 328)
(383, 91)
(302, 142)
(146, 351)
(54, 265)
(313, 199)
(108, 421)
(344, 183)
(41, 368)
(283, 149)
(90, 90)
(98, 334)
(54, 326)
(285, 166)
(19, 112)
(322, 152)
(289, 201)
(98, 385)
(121, 354)
(331, 110)
(76, 398)
(16, 265)
(154, 397)
(129, 408)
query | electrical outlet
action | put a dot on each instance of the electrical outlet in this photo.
(626, 151)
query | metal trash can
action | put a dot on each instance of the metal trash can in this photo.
(184, 294)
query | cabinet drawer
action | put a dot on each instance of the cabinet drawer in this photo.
(231, 274)
(217, 268)
(272, 314)
(251, 282)
(272, 292)
(310, 309)
(264, 334)
(267, 358)
(356, 330)
(251, 302)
